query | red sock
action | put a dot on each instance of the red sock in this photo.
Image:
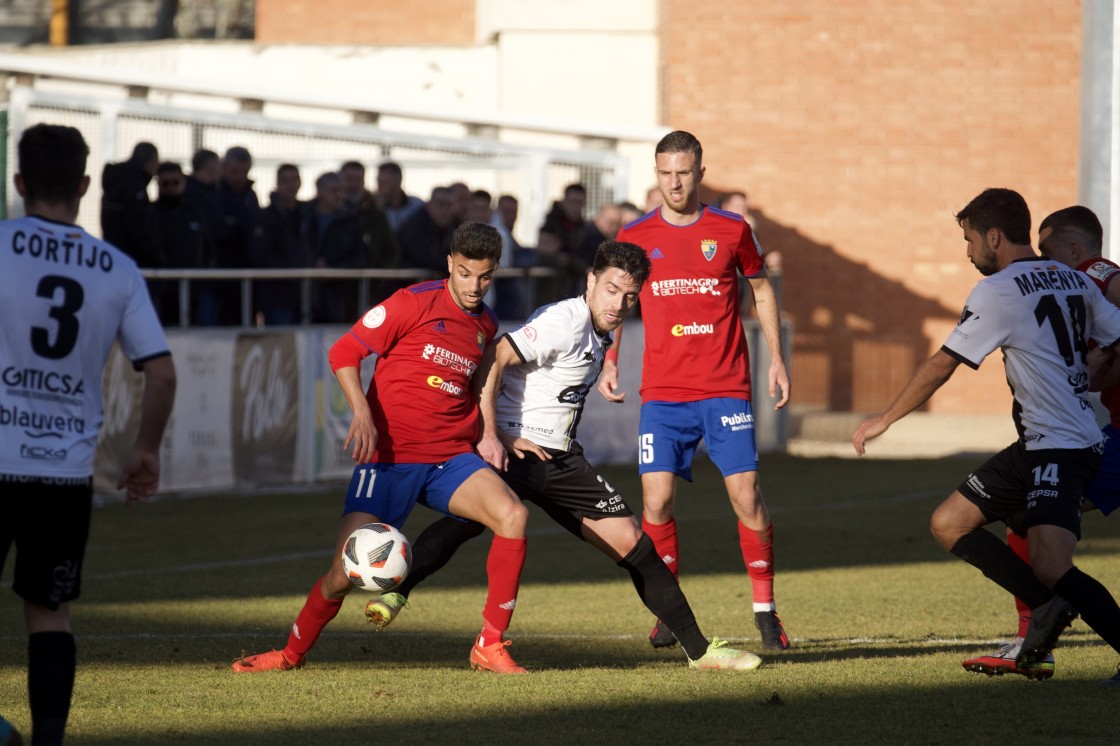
(758, 556)
(1018, 544)
(315, 614)
(503, 572)
(664, 536)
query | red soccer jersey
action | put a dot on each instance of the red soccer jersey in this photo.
(1102, 272)
(428, 348)
(695, 347)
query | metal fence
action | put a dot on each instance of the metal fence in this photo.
(112, 126)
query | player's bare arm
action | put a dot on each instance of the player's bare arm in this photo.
(1104, 369)
(140, 476)
(495, 445)
(928, 378)
(362, 433)
(608, 379)
(770, 319)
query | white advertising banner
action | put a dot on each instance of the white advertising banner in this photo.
(261, 408)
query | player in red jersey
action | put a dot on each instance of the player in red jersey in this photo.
(696, 372)
(413, 436)
(1074, 237)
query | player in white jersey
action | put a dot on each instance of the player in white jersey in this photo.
(533, 384)
(1041, 314)
(65, 298)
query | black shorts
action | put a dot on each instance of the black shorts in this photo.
(1033, 488)
(48, 521)
(567, 488)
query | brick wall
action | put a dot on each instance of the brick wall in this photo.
(859, 129)
(390, 22)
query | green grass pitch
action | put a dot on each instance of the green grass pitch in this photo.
(879, 615)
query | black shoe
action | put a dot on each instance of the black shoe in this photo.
(1047, 623)
(661, 636)
(1114, 681)
(773, 633)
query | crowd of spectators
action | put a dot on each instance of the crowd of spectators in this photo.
(212, 218)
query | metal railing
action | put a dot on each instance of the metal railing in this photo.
(246, 278)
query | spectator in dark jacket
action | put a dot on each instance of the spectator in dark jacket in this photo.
(566, 221)
(336, 242)
(381, 244)
(240, 217)
(391, 198)
(279, 245)
(426, 238)
(126, 212)
(183, 235)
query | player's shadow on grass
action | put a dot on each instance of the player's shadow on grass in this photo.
(667, 705)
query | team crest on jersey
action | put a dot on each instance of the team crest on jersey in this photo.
(374, 317)
(708, 247)
(481, 341)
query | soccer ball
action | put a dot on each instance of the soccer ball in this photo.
(377, 557)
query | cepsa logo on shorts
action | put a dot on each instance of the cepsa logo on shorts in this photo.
(685, 286)
(692, 330)
(438, 383)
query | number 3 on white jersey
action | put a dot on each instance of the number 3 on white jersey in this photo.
(645, 448)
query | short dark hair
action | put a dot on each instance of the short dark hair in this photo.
(391, 167)
(326, 179)
(352, 164)
(482, 194)
(202, 158)
(287, 167)
(577, 188)
(169, 167)
(143, 152)
(474, 240)
(239, 153)
(680, 141)
(1076, 218)
(1002, 209)
(628, 257)
(507, 198)
(52, 162)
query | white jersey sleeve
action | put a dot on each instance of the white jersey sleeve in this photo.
(983, 327)
(65, 298)
(1041, 315)
(562, 355)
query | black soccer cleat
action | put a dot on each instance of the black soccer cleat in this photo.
(1047, 623)
(661, 636)
(773, 633)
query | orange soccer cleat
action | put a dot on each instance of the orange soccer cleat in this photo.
(494, 658)
(273, 660)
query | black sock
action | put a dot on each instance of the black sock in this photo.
(1093, 602)
(999, 564)
(51, 659)
(661, 594)
(435, 546)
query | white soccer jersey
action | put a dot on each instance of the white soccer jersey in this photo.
(1042, 315)
(65, 296)
(542, 400)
